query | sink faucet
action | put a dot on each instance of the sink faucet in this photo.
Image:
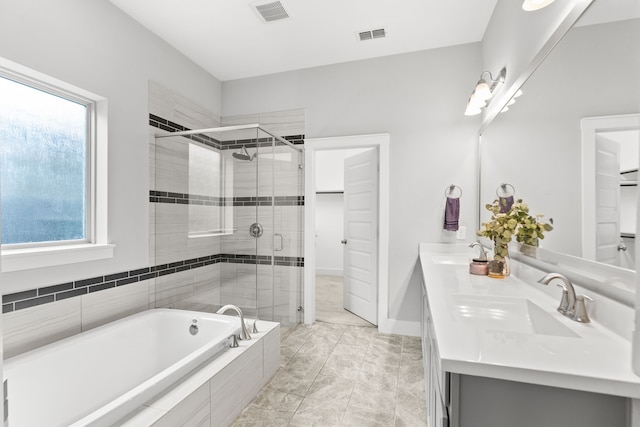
(483, 254)
(244, 334)
(568, 302)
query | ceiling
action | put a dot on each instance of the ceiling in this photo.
(229, 39)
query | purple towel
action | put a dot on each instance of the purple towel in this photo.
(505, 204)
(451, 214)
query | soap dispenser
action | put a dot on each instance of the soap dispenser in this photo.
(480, 265)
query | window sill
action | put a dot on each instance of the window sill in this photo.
(28, 259)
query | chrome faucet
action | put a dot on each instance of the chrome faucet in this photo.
(244, 333)
(483, 254)
(568, 301)
(570, 306)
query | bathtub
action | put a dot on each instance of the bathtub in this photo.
(98, 377)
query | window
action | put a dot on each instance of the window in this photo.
(53, 171)
(44, 147)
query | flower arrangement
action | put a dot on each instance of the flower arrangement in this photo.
(516, 222)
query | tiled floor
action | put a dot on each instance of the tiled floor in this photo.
(342, 375)
(329, 307)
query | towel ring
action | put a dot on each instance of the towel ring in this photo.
(505, 190)
(450, 191)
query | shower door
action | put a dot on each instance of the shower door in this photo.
(262, 268)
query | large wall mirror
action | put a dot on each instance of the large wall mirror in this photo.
(551, 155)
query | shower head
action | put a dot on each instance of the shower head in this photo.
(243, 154)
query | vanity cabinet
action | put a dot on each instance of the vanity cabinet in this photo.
(459, 400)
(436, 382)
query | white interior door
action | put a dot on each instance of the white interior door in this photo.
(361, 235)
(607, 200)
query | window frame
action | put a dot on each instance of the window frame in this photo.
(16, 257)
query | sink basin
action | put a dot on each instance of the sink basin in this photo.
(450, 259)
(507, 314)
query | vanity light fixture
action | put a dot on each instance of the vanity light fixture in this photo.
(483, 92)
(531, 5)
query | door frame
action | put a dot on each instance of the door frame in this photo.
(381, 142)
(589, 127)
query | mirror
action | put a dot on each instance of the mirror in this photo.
(537, 145)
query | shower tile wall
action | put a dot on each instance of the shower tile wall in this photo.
(231, 279)
(171, 172)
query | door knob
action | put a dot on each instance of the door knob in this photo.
(622, 247)
(343, 241)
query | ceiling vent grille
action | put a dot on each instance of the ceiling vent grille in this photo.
(372, 34)
(273, 11)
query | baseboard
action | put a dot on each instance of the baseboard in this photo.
(329, 272)
(400, 327)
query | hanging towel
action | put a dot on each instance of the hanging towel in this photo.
(505, 204)
(452, 214)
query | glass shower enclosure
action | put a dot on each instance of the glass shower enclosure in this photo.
(227, 221)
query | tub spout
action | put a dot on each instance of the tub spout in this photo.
(244, 334)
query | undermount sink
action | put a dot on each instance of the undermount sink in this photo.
(508, 314)
(450, 259)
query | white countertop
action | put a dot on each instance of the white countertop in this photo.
(586, 357)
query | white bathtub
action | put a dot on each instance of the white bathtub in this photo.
(98, 377)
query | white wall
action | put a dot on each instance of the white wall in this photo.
(93, 45)
(419, 98)
(329, 233)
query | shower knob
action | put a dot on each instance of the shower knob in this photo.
(256, 230)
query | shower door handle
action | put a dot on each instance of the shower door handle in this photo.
(281, 242)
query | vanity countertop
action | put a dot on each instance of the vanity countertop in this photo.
(507, 329)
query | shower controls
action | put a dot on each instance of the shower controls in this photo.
(256, 230)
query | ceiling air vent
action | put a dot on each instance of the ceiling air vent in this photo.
(372, 34)
(273, 11)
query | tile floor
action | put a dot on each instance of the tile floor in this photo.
(329, 306)
(334, 374)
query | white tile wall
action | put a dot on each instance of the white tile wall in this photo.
(112, 304)
(33, 327)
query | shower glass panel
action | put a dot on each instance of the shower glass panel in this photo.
(227, 210)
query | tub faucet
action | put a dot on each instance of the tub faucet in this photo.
(244, 334)
(568, 301)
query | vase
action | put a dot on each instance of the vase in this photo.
(499, 267)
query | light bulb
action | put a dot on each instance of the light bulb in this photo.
(476, 101)
(472, 110)
(483, 92)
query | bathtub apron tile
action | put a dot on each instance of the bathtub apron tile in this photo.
(193, 411)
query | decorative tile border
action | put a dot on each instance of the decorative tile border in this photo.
(194, 199)
(25, 299)
(169, 126)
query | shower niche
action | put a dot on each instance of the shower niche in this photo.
(226, 212)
